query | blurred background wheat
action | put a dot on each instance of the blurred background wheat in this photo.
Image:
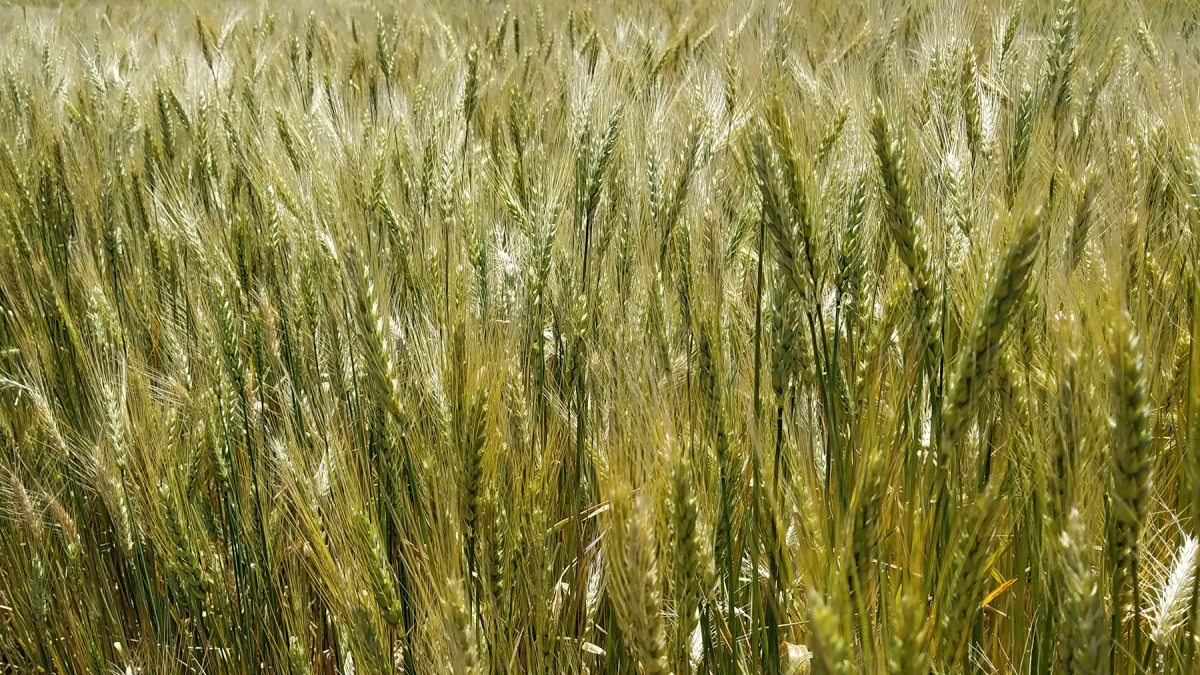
(646, 337)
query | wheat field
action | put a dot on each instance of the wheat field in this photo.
(641, 337)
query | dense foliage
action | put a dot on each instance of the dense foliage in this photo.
(646, 338)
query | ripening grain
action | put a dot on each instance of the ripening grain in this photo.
(644, 337)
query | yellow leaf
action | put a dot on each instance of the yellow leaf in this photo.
(996, 593)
